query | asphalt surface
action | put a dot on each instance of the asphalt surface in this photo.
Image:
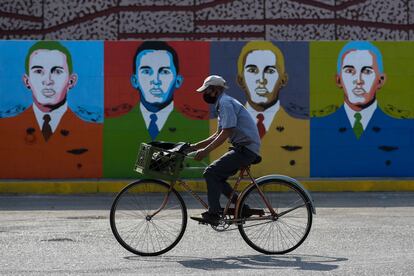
(352, 234)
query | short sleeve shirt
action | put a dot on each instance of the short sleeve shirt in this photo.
(232, 114)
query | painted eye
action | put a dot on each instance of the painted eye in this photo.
(349, 70)
(367, 71)
(270, 71)
(146, 71)
(165, 72)
(58, 71)
(37, 71)
(253, 70)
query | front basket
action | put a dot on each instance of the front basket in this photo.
(159, 163)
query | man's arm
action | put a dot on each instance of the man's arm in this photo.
(206, 142)
(219, 139)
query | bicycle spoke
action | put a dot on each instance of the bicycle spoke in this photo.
(259, 232)
(165, 232)
(133, 213)
(292, 225)
(167, 228)
(294, 229)
(163, 235)
(129, 228)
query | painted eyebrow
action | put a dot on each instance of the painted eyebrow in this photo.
(348, 66)
(56, 67)
(165, 67)
(36, 67)
(144, 67)
(250, 65)
(270, 66)
(367, 67)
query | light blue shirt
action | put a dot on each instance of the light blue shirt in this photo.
(232, 114)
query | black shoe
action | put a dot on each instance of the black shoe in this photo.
(207, 217)
(248, 212)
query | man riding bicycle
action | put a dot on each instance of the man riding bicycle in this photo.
(235, 124)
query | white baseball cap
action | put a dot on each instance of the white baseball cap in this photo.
(212, 80)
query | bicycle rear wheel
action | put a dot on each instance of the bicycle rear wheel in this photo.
(281, 233)
(140, 222)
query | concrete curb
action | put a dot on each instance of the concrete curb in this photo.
(113, 186)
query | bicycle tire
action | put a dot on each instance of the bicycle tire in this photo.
(133, 205)
(280, 193)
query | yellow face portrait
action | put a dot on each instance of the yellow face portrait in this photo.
(261, 73)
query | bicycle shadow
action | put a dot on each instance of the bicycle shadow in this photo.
(299, 262)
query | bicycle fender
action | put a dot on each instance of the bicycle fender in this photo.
(292, 181)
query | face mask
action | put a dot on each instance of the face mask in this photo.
(209, 99)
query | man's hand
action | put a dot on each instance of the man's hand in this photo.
(193, 147)
(200, 154)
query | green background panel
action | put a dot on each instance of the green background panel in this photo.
(123, 136)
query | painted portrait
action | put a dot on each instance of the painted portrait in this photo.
(271, 80)
(359, 136)
(47, 132)
(157, 101)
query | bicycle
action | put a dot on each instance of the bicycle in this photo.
(149, 217)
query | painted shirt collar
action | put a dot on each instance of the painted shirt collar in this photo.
(366, 114)
(268, 114)
(55, 116)
(162, 115)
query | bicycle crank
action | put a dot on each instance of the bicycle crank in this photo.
(224, 224)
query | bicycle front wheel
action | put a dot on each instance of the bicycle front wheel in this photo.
(148, 218)
(280, 233)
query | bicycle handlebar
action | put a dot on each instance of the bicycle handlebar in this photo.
(191, 155)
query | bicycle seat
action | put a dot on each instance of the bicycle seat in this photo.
(257, 160)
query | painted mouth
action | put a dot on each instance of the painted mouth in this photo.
(48, 93)
(358, 91)
(156, 92)
(261, 91)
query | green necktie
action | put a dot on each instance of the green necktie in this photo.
(358, 129)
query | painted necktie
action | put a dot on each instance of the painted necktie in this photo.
(358, 129)
(260, 126)
(153, 128)
(46, 128)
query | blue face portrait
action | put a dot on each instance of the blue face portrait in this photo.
(155, 78)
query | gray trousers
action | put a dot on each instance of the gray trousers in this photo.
(217, 173)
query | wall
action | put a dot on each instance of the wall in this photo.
(207, 19)
(303, 142)
(307, 130)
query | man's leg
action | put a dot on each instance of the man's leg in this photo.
(227, 190)
(217, 173)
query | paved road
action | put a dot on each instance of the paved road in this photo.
(352, 234)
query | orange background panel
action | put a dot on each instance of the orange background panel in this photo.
(73, 151)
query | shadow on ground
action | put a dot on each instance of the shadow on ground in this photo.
(300, 262)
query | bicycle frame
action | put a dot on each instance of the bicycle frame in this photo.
(244, 172)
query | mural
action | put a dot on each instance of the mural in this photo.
(272, 80)
(77, 109)
(157, 72)
(45, 132)
(358, 138)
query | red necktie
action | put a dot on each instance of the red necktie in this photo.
(260, 126)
